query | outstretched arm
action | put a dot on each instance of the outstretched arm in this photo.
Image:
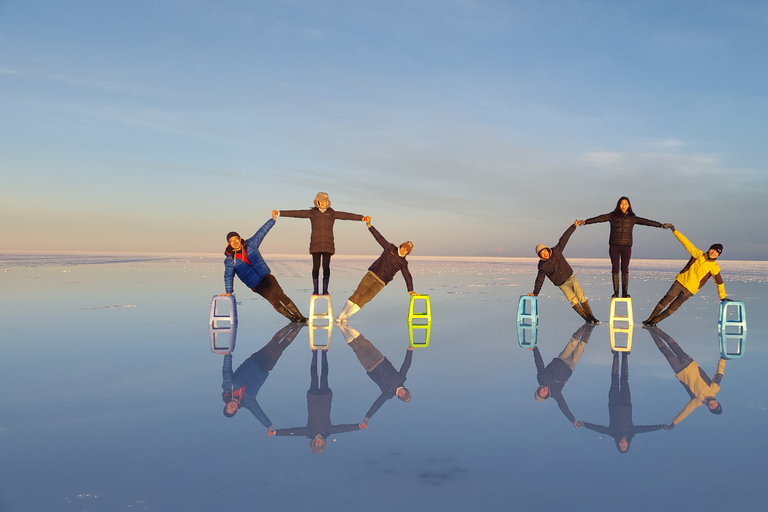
(564, 238)
(692, 249)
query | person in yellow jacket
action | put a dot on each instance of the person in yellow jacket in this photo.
(694, 275)
(696, 382)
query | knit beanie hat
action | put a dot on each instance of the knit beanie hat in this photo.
(409, 245)
(231, 234)
(540, 247)
(717, 247)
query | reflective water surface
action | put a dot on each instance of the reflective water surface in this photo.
(113, 399)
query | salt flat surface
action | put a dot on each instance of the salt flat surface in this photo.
(113, 398)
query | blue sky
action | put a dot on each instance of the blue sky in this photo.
(472, 128)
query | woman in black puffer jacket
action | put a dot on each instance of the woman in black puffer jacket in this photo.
(622, 220)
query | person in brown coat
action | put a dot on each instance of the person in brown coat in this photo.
(321, 245)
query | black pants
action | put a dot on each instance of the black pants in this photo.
(326, 257)
(621, 253)
(270, 289)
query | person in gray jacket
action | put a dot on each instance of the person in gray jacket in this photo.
(552, 264)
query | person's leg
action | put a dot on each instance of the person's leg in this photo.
(369, 286)
(368, 355)
(579, 293)
(625, 395)
(683, 296)
(614, 252)
(567, 290)
(270, 289)
(613, 393)
(314, 385)
(315, 270)
(269, 354)
(626, 255)
(326, 271)
(671, 357)
(324, 375)
(673, 292)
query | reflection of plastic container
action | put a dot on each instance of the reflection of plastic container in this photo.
(314, 316)
(732, 319)
(222, 324)
(620, 347)
(317, 344)
(739, 341)
(426, 315)
(416, 343)
(530, 318)
(529, 340)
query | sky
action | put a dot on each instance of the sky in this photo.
(472, 128)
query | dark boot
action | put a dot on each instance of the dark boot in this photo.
(314, 284)
(325, 285)
(615, 285)
(624, 284)
(656, 311)
(588, 311)
(580, 311)
(658, 318)
(297, 316)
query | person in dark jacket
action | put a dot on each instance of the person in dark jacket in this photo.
(239, 388)
(319, 397)
(620, 426)
(553, 377)
(380, 273)
(390, 381)
(321, 245)
(244, 260)
(622, 219)
(553, 265)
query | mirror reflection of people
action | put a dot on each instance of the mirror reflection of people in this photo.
(380, 273)
(321, 243)
(244, 260)
(241, 386)
(696, 382)
(553, 377)
(622, 221)
(620, 426)
(553, 265)
(319, 397)
(381, 371)
(691, 278)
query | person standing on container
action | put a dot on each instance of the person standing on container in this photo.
(244, 260)
(321, 245)
(622, 219)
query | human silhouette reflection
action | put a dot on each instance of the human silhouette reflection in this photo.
(379, 369)
(553, 377)
(319, 397)
(695, 381)
(620, 426)
(241, 386)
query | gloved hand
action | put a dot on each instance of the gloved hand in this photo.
(726, 300)
(668, 226)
